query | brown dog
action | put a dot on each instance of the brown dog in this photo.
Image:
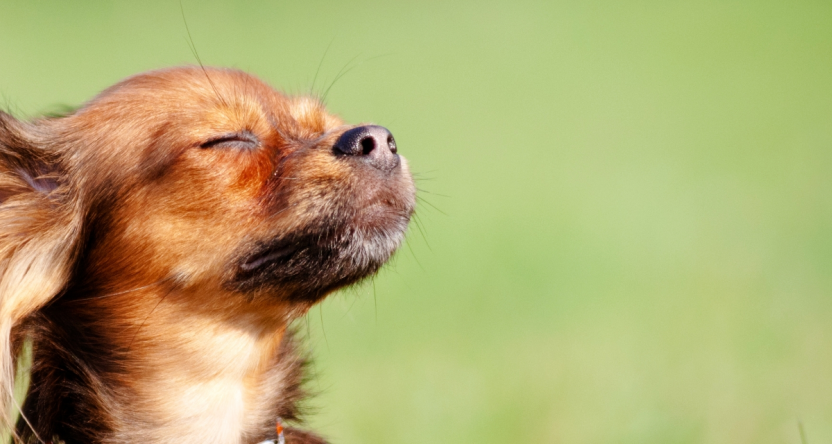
(156, 243)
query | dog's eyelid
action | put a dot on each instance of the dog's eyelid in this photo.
(240, 139)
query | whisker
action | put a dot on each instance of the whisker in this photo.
(423, 200)
(340, 74)
(421, 190)
(315, 79)
(346, 70)
(412, 253)
(352, 304)
(198, 59)
(323, 330)
(282, 210)
(418, 222)
(375, 300)
(308, 330)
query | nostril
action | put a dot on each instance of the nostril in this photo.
(368, 144)
(392, 144)
(373, 144)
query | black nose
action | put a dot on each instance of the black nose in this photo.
(372, 143)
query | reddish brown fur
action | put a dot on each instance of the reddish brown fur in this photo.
(127, 234)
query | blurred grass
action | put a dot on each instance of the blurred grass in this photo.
(635, 236)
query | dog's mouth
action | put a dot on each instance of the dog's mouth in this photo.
(280, 251)
(305, 267)
(285, 255)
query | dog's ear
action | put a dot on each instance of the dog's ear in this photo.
(39, 231)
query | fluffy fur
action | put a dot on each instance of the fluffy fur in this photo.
(156, 244)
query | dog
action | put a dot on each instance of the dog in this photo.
(157, 243)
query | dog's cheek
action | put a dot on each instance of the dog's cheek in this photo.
(189, 221)
(313, 189)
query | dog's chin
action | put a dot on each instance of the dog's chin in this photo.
(305, 266)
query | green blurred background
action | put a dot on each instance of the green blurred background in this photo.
(625, 232)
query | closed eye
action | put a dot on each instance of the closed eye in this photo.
(239, 140)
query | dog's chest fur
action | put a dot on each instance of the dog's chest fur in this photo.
(227, 389)
(209, 382)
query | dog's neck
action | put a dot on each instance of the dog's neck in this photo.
(206, 377)
(152, 366)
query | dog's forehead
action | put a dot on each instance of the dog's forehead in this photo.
(146, 122)
(214, 99)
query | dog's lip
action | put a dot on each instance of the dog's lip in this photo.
(280, 250)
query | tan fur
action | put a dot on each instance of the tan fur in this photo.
(125, 224)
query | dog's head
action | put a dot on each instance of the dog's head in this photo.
(199, 178)
(212, 177)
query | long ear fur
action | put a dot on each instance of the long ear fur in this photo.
(39, 231)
